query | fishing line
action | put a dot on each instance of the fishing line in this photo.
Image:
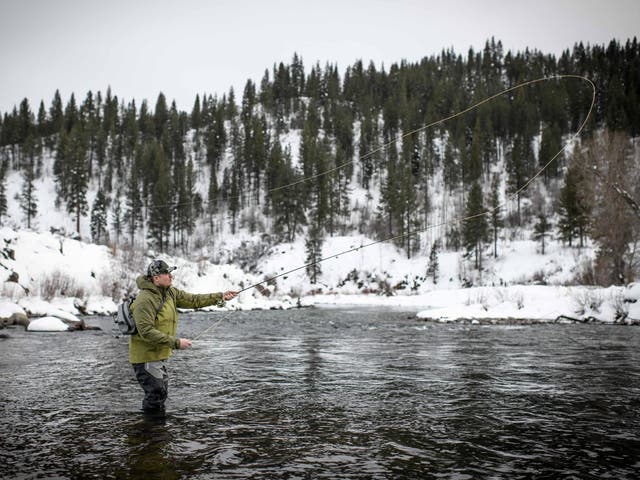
(212, 327)
(469, 217)
(461, 219)
(400, 137)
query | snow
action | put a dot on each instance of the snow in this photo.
(49, 271)
(47, 324)
(378, 274)
(8, 308)
(60, 308)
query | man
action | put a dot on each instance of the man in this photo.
(156, 317)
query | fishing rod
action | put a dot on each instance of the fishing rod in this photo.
(461, 219)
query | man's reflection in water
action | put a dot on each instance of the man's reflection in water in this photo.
(149, 454)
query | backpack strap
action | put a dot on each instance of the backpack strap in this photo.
(161, 305)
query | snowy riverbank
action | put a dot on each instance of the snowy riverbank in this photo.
(515, 304)
(50, 275)
(518, 303)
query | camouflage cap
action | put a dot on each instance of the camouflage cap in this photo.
(158, 267)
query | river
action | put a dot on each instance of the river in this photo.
(328, 393)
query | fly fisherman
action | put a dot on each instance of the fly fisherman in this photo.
(156, 316)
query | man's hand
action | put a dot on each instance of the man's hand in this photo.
(230, 295)
(184, 343)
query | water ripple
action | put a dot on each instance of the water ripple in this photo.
(329, 394)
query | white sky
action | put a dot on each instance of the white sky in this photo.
(186, 47)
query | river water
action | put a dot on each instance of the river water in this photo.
(328, 393)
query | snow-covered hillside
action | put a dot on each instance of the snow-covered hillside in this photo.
(47, 274)
(50, 269)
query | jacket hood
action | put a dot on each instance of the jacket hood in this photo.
(144, 283)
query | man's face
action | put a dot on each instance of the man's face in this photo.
(162, 280)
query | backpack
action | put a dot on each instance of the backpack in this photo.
(123, 323)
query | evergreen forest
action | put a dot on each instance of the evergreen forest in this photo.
(312, 151)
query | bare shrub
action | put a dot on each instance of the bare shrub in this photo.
(539, 277)
(619, 304)
(480, 297)
(585, 274)
(13, 291)
(504, 295)
(111, 285)
(519, 300)
(119, 281)
(587, 300)
(248, 254)
(59, 284)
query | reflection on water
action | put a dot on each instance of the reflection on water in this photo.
(329, 394)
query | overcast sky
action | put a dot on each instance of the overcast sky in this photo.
(186, 47)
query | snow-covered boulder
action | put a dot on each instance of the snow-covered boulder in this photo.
(47, 324)
(12, 314)
(36, 306)
(632, 293)
(8, 308)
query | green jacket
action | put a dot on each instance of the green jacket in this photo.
(156, 336)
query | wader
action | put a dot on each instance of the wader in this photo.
(154, 380)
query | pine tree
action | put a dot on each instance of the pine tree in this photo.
(160, 116)
(212, 206)
(28, 199)
(450, 166)
(434, 268)
(61, 166)
(550, 144)
(216, 139)
(572, 209)
(338, 197)
(3, 129)
(366, 147)
(189, 205)
(56, 114)
(284, 204)
(475, 224)
(117, 222)
(320, 184)
(313, 246)
(541, 230)
(91, 124)
(231, 109)
(3, 190)
(407, 205)
(42, 125)
(146, 125)
(159, 211)
(248, 102)
(234, 197)
(133, 218)
(312, 157)
(518, 165)
(71, 114)
(25, 126)
(77, 181)
(476, 154)
(130, 136)
(99, 218)
(196, 114)
(495, 217)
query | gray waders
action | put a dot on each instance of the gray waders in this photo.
(154, 380)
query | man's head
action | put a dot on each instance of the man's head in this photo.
(159, 272)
